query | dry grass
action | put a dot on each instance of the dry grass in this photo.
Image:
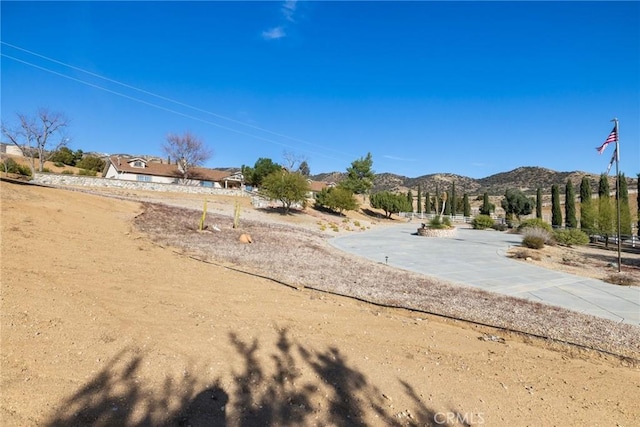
(526, 254)
(301, 257)
(621, 279)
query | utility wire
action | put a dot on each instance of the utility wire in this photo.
(161, 107)
(182, 104)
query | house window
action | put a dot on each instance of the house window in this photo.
(144, 178)
(138, 164)
(207, 184)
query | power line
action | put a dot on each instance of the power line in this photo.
(164, 99)
(161, 107)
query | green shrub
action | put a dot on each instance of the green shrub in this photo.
(91, 163)
(59, 164)
(535, 223)
(46, 170)
(67, 172)
(11, 166)
(481, 222)
(438, 223)
(86, 172)
(571, 236)
(499, 226)
(535, 237)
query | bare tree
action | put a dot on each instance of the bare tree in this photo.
(188, 151)
(292, 160)
(38, 137)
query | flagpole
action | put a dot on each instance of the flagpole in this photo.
(615, 120)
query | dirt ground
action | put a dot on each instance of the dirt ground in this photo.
(100, 326)
(594, 260)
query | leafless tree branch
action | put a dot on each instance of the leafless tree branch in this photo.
(187, 150)
(34, 135)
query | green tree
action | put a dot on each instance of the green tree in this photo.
(556, 209)
(570, 220)
(360, 176)
(485, 209)
(539, 203)
(516, 203)
(427, 203)
(63, 155)
(410, 200)
(625, 212)
(287, 187)
(466, 206)
(91, 163)
(454, 202)
(436, 200)
(419, 199)
(587, 208)
(304, 168)
(261, 169)
(337, 199)
(77, 156)
(389, 202)
(605, 220)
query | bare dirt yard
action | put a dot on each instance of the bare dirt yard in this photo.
(115, 310)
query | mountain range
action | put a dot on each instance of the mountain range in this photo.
(528, 179)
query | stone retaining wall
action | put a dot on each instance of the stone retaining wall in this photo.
(428, 232)
(92, 181)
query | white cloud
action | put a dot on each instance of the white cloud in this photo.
(289, 8)
(273, 33)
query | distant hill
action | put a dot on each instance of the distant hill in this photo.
(527, 179)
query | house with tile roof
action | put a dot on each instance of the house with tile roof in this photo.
(143, 170)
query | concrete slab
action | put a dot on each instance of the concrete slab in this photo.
(477, 258)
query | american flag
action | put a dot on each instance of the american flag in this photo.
(613, 137)
(613, 159)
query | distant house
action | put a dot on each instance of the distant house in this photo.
(10, 149)
(142, 170)
(317, 186)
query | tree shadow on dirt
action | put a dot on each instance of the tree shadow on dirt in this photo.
(273, 395)
(610, 255)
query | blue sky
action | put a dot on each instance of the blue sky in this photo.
(471, 88)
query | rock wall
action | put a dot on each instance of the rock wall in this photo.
(429, 232)
(92, 181)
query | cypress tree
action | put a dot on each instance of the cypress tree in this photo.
(587, 208)
(556, 210)
(539, 203)
(625, 212)
(605, 220)
(447, 204)
(453, 202)
(486, 206)
(466, 205)
(427, 203)
(419, 204)
(410, 200)
(436, 200)
(570, 220)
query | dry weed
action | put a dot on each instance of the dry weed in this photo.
(302, 257)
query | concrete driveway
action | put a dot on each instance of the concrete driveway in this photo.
(477, 258)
